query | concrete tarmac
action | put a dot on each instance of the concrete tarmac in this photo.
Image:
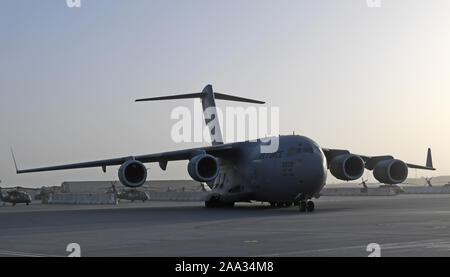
(403, 225)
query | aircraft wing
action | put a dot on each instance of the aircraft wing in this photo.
(420, 167)
(371, 161)
(162, 158)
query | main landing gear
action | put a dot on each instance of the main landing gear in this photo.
(303, 205)
(217, 204)
(280, 204)
(306, 206)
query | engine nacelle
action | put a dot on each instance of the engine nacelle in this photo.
(132, 174)
(203, 168)
(347, 167)
(390, 171)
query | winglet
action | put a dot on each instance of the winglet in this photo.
(14, 159)
(429, 159)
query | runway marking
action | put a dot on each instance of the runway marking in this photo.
(251, 241)
(25, 254)
(430, 244)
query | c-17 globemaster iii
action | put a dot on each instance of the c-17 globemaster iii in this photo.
(295, 173)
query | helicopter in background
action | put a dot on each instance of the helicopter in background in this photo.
(129, 194)
(395, 187)
(15, 196)
(428, 182)
(364, 184)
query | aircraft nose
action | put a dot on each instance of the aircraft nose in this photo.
(316, 173)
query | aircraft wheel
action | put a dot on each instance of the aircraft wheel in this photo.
(14, 203)
(224, 204)
(302, 206)
(210, 204)
(229, 205)
(273, 204)
(28, 203)
(217, 204)
(310, 206)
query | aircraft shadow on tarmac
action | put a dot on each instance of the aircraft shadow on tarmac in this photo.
(92, 218)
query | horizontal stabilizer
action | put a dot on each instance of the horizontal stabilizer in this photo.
(172, 97)
(222, 96)
(219, 96)
(208, 98)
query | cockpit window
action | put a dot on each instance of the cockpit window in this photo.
(316, 149)
(302, 148)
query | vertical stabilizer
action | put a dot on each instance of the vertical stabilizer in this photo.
(210, 115)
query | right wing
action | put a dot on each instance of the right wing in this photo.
(216, 150)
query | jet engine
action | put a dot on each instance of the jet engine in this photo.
(203, 168)
(390, 171)
(132, 174)
(347, 167)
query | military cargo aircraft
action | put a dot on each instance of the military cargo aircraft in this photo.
(240, 172)
(15, 196)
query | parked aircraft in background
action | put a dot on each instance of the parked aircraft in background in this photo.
(238, 171)
(364, 183)
(428, 182)
(130, 194)
(15, 196)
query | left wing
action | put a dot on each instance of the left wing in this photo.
(217, 151)
(371, 161)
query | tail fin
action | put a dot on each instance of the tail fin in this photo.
(208, 97)
(429, 159)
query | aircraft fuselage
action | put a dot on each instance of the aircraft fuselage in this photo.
(297, 170)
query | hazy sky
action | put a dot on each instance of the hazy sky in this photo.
(373, 80)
